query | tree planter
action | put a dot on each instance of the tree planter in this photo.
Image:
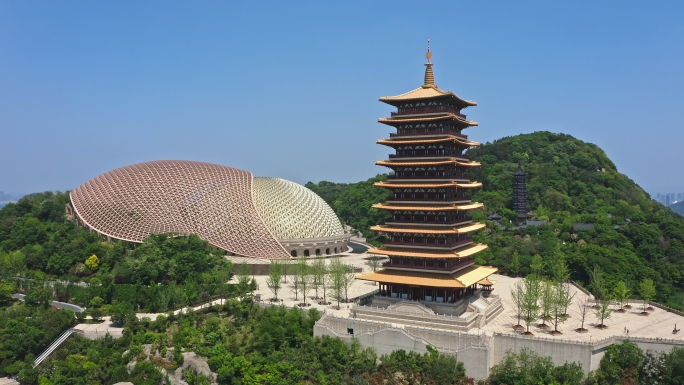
(627, 307)
(650, 308)
(620, 310)
(529, 334)
(644, 313)
(581, 330)
(518, 327)
(303, 304)
(555, 333)
(602, 326)
(543, 326)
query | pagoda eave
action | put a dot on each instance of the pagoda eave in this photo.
(428, 185)
(416, 230)
(459, 253)
(450, 161)
(458, 280)
(427, 92)
(424, 118)
(382, 206)
(449, 139)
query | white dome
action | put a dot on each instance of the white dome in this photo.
(292, 211)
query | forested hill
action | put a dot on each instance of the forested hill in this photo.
(678, 208)
(568, 182)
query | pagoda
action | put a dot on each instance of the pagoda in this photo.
(429, 237)
(520, 194)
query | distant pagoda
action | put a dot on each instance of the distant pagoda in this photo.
(429, 244)
(520, 194)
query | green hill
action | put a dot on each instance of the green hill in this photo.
(678, 208)
(568, 182)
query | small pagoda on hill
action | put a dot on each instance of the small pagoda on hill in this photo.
(429, 237)
(520, 194)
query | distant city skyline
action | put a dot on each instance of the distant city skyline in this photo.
(291, 90)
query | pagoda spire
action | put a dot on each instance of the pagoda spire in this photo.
(429, 75)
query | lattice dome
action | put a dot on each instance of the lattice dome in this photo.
(292, 211)
(215, 202)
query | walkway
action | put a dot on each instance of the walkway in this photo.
(58, 305)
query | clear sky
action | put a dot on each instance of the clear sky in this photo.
(290, 89)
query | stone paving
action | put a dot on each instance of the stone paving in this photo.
(659, 324)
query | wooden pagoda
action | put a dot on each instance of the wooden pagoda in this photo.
(429, 237)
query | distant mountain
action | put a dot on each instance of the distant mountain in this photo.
(678, 208)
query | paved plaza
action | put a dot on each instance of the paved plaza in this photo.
(659, 324)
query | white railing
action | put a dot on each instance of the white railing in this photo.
(53, 346)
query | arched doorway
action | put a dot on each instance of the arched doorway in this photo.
(318, 251)
(293, 253)
(306, 253)
(327, 251)
(336, 250)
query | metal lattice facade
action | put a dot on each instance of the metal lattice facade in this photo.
(292, 211)
(215, 202)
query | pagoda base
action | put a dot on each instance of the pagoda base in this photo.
(473, 311)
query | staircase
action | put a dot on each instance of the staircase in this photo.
(53, 346)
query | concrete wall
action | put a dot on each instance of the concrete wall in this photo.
(478, 352)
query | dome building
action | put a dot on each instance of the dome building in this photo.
(267, 218)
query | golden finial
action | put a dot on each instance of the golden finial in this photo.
(429, 75)
(428, 54)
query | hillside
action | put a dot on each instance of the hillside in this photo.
(568, 182)
(678, 208)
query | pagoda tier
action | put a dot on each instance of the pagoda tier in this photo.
(430, 245)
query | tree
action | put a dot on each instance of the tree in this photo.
(620, 364)
(546, 302)
(275, 277)
(93, 262)
(647, 291)
(373, 263)
(584, 309)
(514, 267)
(348, 280)
(39, 296)
(517, 293)
(561, 300)
(6, 290)
(530, 299)
(96, 301)
(336, 279)
(299, 270)
(537, 265)
(96, 314)
(318, 271)
(561, 272)
(120, 312)
(597, 283)
(243, 277)
(621, 293)
(602, 311)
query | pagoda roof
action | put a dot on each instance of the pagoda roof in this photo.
(428, 91)
(408, 119)
(447, 139)
(460, 279)
(428, 185)
(471, 206)
(461, 253)
(413, 230)
(390, 163)
(519, 171)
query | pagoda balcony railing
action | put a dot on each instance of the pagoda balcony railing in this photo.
(420, 267)
(420, 219)
(424, 154)
(430, 175)
(427, 110)
(428, 131)
(428, 198)
(429, 243)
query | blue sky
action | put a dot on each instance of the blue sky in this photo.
(290, 89)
